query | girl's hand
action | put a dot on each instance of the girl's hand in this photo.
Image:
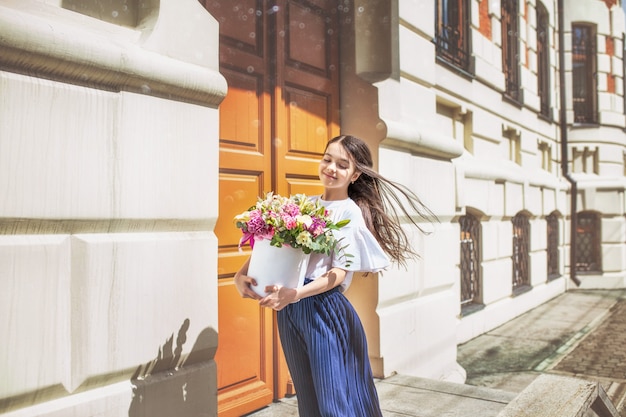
(243, 283)
(279, 297)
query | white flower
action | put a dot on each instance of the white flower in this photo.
(304, 219)
(304, 239)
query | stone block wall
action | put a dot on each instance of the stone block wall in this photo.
(108, 185)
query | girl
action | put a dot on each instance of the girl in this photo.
(321, 334)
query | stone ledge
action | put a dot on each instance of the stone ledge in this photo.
(54, 43)
(551, 395)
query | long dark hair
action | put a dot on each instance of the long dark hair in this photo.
(382, 201)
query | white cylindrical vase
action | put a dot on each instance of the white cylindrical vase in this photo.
(270, 265)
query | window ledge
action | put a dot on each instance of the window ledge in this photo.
(522, 289)
(549, 119)
(584, 125)
(466, 73)
(472, 308)
(515, 102)
(553, 277)
(589, 272)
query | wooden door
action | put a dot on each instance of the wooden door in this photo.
(280, 59)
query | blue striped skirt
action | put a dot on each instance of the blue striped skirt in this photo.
(326, 351)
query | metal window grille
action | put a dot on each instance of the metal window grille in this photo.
(584, 94)
(552, 222)
(521, 240)
(624, 78)
(510, 48)
(543, 59)
(588, 243)
(452, 40)
(470, 260)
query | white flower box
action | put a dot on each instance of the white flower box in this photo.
(270, 265)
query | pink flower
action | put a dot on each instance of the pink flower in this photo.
(291, 209)
(290, 222)
(267, 233)
(317, 228)
(296, 221)
(255, 224)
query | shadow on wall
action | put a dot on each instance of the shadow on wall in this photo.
(179, 385)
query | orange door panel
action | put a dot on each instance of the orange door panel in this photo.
(306, 97)
(280, 61)
(306, 103)
(245, 354)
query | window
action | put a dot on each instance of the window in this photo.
(585, 160)
(584, 92)
(543, 60)
(453, 35)
(456, 122)
(545, 152)
(515, 149)
(552, 223)
(624, 72)
(521, 245)
(515, 143)
(510, 49)
(588, 244)
(470, 264)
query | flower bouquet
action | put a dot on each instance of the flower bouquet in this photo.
(282, 232)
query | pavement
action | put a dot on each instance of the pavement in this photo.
(580, 334)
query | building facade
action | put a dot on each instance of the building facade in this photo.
(132, 131)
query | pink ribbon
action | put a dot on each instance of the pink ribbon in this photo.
(247, 237)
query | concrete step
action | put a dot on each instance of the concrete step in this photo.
(410, 396)
(402, 395)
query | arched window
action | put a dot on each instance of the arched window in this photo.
(588, 243)
(471, 294)
(552, 223)
(521, 259)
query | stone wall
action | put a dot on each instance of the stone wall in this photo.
(108, 178)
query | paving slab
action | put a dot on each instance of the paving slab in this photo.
(409, 396)
(580, 334)
(602, 353)
(514, 382)
(491, 354)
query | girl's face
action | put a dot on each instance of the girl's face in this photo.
(337, 169)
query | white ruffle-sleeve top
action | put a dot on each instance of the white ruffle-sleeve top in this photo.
(355, 239)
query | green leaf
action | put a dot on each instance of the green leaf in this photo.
(342, 223)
